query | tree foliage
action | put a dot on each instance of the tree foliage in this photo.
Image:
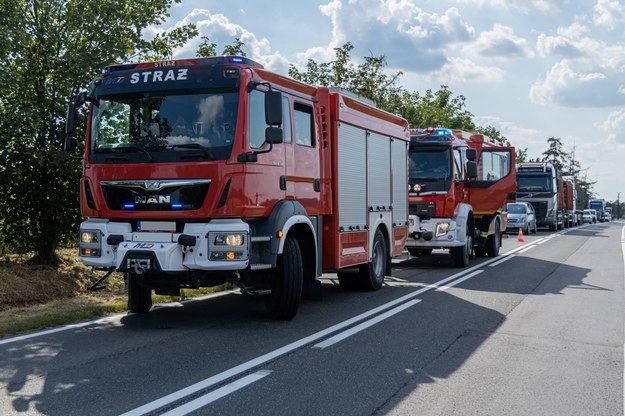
(208, 48)
(368, 79)
(49, 48)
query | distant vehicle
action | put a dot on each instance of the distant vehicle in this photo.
(608, 216)
(541, 184)
(599, 206)
(521, 215)
(589, 216)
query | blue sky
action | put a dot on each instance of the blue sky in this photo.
(531, 68)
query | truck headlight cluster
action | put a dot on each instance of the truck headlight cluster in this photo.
(442, 228)
(228, 246)
(90, 243)
(229, 239)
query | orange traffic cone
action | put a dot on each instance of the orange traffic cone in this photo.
(520, 239)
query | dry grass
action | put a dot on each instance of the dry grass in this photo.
(37, 297)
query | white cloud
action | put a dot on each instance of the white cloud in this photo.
(460, 70)
(525, 6)
(221, 31)
(408, 36)
(608, 13)
(500, 42)
(567, 86)
(614, 126)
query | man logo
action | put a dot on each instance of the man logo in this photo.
(152, 199)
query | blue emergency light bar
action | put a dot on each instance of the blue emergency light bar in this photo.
(213, 60)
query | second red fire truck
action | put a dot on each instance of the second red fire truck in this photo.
(459, 183)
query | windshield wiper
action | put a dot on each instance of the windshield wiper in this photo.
(126, 147)
(206, 152)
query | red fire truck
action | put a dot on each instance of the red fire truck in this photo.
(203, 171)
(459, 183)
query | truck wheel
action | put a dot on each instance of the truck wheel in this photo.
(461, 255)
(286, 290)
(371, 276)
(493, 242)
(139, 298)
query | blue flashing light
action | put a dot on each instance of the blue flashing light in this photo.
(129, 206)
(236, 59)
(176, 206)
(443, 132)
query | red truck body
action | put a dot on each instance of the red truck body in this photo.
(459, 183)
(203, 171)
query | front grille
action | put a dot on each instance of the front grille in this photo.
(174, 198)
(423, 210)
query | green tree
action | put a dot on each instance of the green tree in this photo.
(48, 48)
(208, 48)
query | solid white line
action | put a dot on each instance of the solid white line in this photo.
(505, 258)
(202, 401)
(455, 282)
(345, 334)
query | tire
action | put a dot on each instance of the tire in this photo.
(461, 255)
(286, 290)
(139, 298)
(493, 242)
(535, 228)
(371, 275)
(420, 251)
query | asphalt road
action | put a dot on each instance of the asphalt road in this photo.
(535, 331)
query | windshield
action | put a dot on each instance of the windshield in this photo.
(431, 164)
(597, 205)
(517, 209)
(165, 123)
(534, 183)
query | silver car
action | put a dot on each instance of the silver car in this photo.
(589, 216)
(521, 215)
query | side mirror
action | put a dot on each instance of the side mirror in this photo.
(273, 108)
(471, 170)
(471, 154)
(274, 135)
(70, 144)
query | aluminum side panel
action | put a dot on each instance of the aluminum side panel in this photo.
(379, 171)
(352, 168)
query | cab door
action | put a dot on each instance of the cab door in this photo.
(302, 154)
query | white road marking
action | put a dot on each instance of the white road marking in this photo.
(455, 282)
(345, 334)
(202, 401)
(504, 259)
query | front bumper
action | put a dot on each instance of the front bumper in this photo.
(115, 245)
(433, 233)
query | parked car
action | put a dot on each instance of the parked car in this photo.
(521, 215)
(589, 216)
(608, 216)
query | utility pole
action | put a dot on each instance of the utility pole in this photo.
(618, 205)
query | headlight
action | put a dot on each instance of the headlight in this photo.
(89, 237)
(229, 240)
(90, 243)
(442, 228)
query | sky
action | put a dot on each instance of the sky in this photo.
(533, 69)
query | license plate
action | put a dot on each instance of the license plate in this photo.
(156, 226)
